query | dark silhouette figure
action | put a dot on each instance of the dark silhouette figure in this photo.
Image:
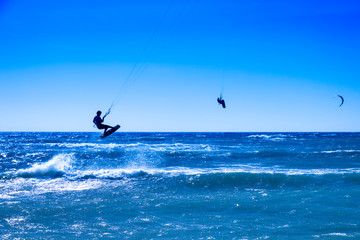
(221, 102)
(98, 122)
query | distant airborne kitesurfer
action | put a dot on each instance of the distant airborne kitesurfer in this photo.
(98, 122)
(221, 101)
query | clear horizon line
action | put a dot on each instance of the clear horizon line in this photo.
(15, 131)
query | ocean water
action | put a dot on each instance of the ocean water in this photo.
(180, 186)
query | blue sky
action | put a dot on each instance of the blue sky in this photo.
(279, 64)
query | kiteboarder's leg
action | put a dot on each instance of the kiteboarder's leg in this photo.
(103, 126)
(106, 128)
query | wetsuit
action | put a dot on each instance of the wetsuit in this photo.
(98, 122)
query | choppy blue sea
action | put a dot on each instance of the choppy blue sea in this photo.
(180, 186)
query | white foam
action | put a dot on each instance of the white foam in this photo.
(15, 220)
(263, 136)
(82, 180)
(33, 154)
(81, 145)
(178, 147)
(58, 164)
(275, 137)
(341, 151)
(335, 234)
(63, 185)
(119, 173)
(35, 186)
(61, 165)
(5, 196)
(138, 146)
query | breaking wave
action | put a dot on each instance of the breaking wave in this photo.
(55, 167)
(62, 166)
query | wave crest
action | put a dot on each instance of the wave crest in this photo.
(55, 167)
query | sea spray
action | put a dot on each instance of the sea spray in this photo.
(55, 167)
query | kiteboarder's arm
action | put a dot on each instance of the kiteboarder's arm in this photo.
(98, 120)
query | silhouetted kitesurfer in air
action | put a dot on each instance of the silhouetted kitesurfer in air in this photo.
(221, 101)
(98, 122)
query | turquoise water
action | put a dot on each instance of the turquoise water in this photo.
(180, 186)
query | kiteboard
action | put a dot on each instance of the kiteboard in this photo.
(111, 131)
